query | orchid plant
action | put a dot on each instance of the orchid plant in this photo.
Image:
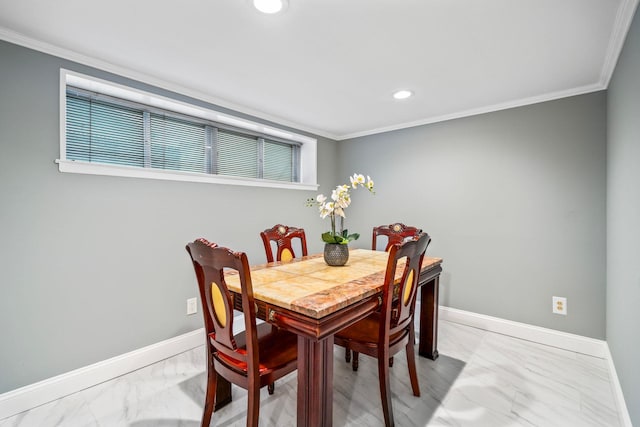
(334, 207)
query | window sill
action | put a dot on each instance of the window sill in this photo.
(71, 166)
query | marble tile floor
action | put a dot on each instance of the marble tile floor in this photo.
(480, 379)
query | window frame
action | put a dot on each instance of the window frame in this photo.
(307, 147)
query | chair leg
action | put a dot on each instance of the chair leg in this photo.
(253, 410)
(354, 361)
(210, 394)
(411, 363)
(271, 388)
(385, 389)
(347, 354)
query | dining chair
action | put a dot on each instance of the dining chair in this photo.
(395, 233)
(387, 331)
(283, 236)
(251, 359)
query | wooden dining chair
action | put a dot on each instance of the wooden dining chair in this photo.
(395, 233)
(283, 236)
(251, 359)
(387, 331)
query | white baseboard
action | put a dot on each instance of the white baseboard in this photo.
(564, 340)
(617, 392)
(30, 396)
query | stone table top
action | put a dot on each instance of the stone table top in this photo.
(309, 286)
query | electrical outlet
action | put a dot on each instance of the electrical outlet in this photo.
(192, 306)
(560, 305)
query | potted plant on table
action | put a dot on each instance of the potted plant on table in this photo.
(336, 249)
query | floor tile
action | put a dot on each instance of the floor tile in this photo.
(480, 379)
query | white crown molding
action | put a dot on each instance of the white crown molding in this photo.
(623, 22)
(624, 17)
(550, 337)
(482, 110)
(617, 392)
(24, 41)
(32, 395)
(621, 27)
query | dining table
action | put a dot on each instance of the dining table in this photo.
(313, 300)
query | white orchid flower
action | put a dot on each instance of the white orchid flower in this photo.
(339, 191)
(344, 200)
(326, 209)
(336, 205)
(369, 184)
(358, 179)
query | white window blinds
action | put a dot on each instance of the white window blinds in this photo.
(177, 144)
(103, 133)
(107, 130)
(279, 161)
(237, 154)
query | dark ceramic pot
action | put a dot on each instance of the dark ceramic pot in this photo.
(336, 254)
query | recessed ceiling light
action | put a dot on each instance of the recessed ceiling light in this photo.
(402, 94)
(270, 6)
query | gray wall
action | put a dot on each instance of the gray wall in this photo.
(93, 266)
(514, 202)
(623, 220)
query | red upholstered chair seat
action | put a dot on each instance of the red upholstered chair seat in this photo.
(270, 357)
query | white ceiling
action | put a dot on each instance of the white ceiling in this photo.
(330, 66)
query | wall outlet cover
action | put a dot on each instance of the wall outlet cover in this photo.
(559, 305)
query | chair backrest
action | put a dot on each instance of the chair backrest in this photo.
(398, 315)
(210, 262)
(283, 236)
(396, 233)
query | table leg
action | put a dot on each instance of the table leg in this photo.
(428, 346)
(315, 382)
(223, 393)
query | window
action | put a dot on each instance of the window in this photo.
(108, 130)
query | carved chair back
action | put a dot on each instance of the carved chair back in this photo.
(398, 303)
(283, 237)
(395, 233)
(210, 262)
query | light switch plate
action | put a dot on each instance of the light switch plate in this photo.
(192, 306)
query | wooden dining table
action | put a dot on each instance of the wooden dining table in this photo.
(314, 301)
